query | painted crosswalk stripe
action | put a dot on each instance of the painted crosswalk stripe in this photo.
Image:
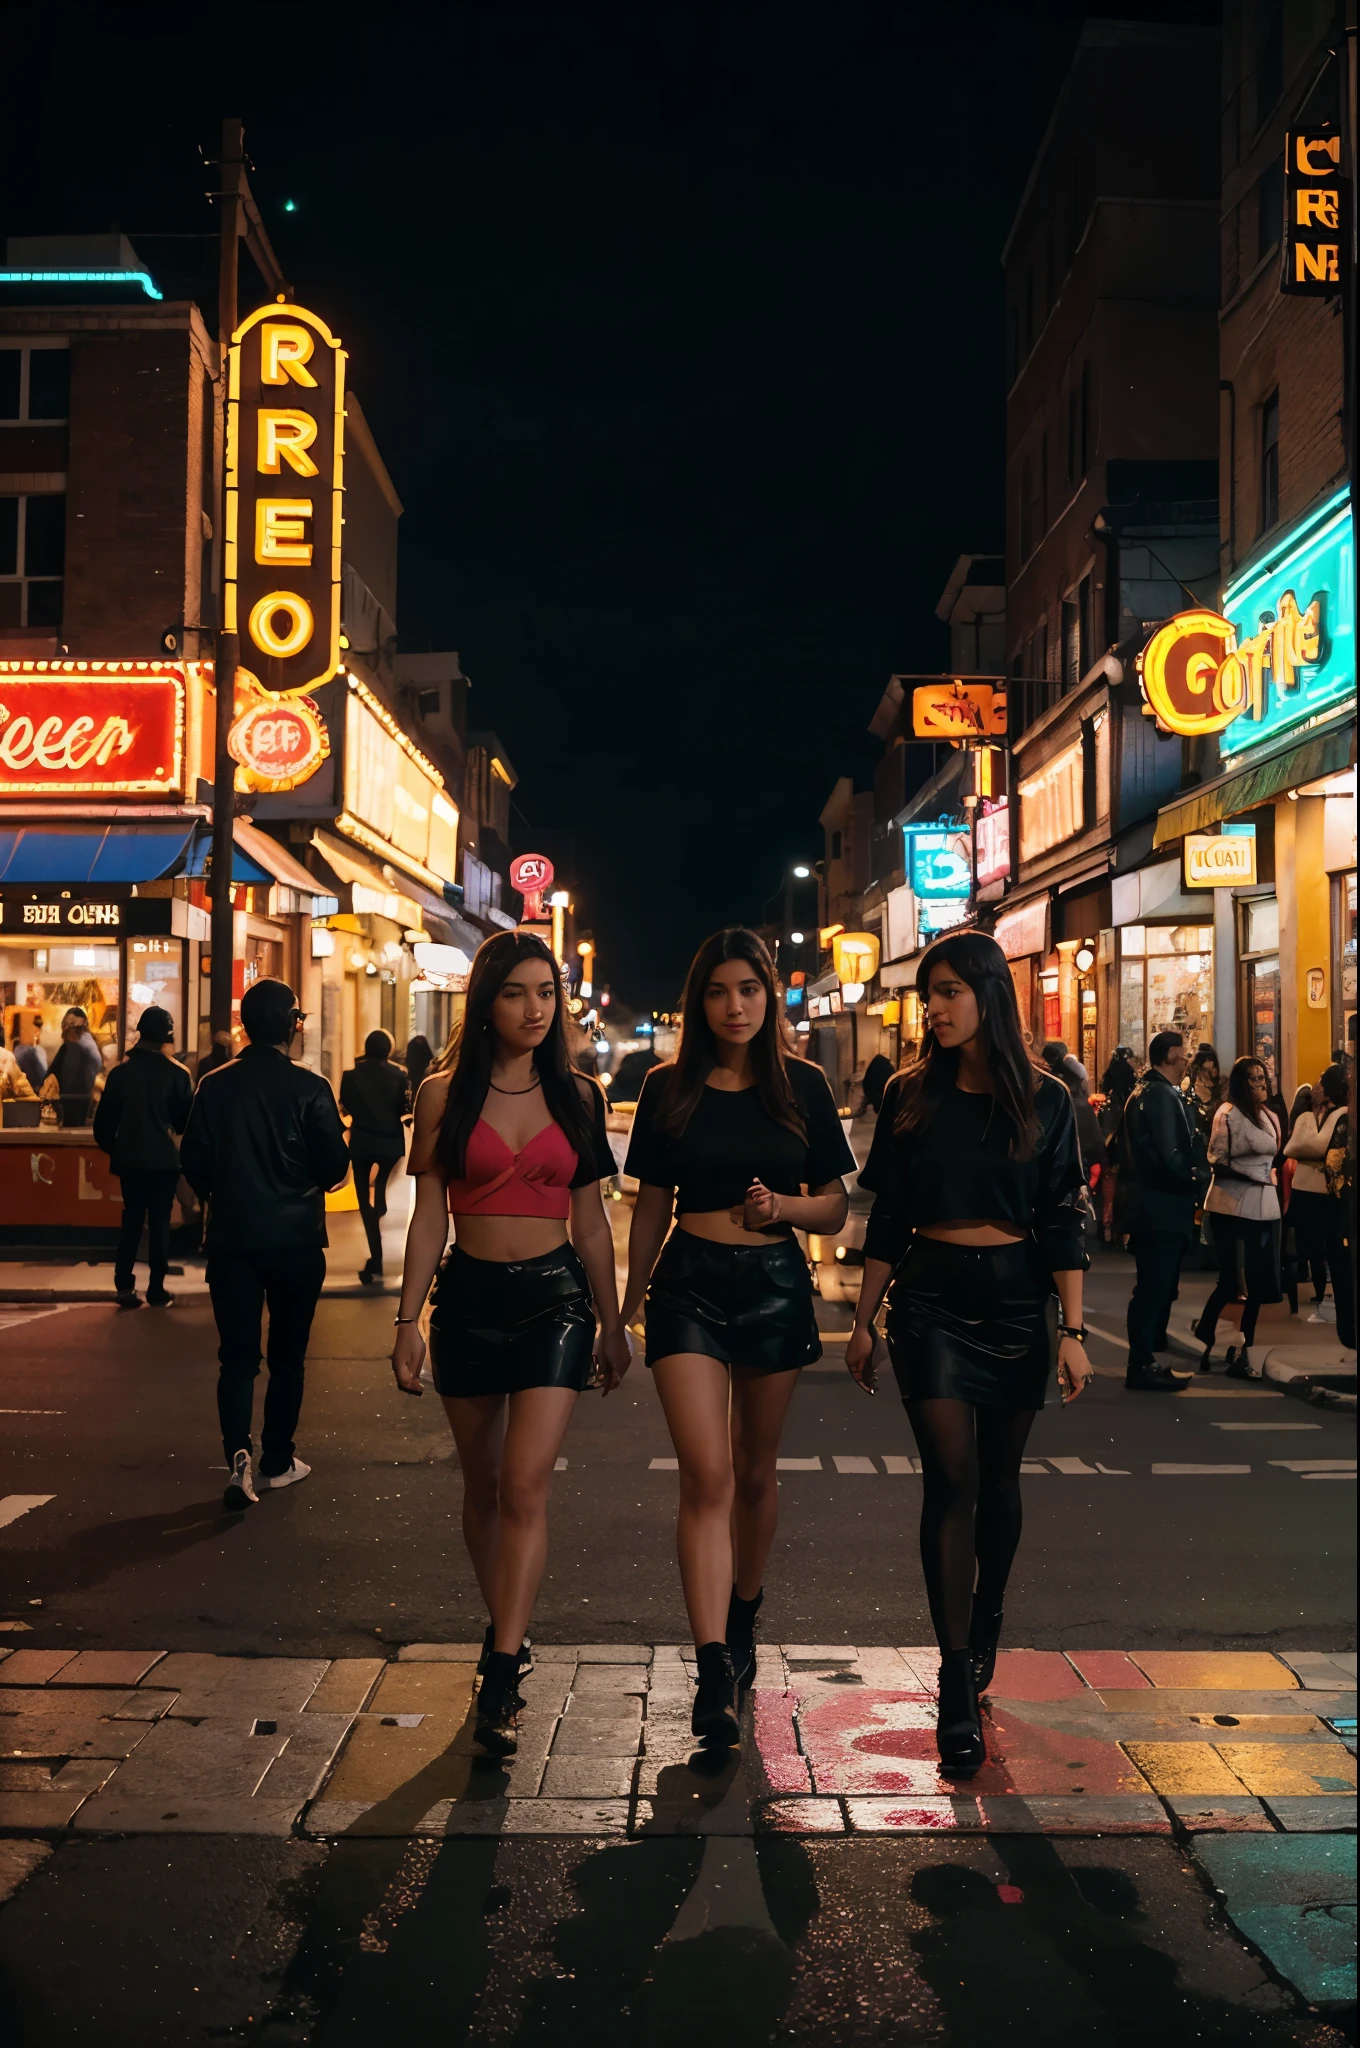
(560, 1466)
(1199, 1471)
(893, 1466)
(854, 1464)
(664, 1465)
(798, 1464)
(1265, 1425)
(1344, 1467)
(15, 1504)
(1077, 1468)
(40, 1411)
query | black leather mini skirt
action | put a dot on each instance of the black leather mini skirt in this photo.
(747, 1305)
(497, 1328)
(973, 1323)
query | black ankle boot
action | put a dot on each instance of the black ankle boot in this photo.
(983, 1636)
(526, 1655)
(958, 1730)
(741, 1636)
(714, 1720)
(498, 1705)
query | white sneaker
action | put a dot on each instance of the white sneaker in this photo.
(1323, 1313)
(297, 1470)
(240, 1492)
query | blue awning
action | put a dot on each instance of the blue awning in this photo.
(66, 854)
(243, 868)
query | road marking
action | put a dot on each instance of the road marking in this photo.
(797, 1464)
(62, 1411)
(854, 1464)
(1073, 1468)
(1109, 1336)
(1199, 1471)
(1343, 1468)
(10, 1319)
(901, 1466)
(560, 1466)
(1265, 1425)
(1326, 1475)
(664, 1465)
(15, 1504)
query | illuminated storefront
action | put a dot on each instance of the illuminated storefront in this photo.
(1273, 676)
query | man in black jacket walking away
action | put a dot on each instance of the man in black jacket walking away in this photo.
(264, 1143)
(374, 1096)
(142, 1111)
(1158, 1185)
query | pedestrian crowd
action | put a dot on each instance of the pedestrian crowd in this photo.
(990, 1174)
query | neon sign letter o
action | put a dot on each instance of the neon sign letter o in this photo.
(262, 630)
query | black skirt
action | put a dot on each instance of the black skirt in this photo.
(746, 1305)
(972, 1323)
(497, 1328)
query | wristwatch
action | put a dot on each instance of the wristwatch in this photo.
(1080, 1333)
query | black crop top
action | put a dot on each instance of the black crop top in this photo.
(958, 1168)
(729, 1141)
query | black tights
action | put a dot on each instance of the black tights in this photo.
(971, 1514)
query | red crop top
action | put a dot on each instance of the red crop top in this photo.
(536, 1181)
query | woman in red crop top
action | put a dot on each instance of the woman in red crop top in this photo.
(511, 1143)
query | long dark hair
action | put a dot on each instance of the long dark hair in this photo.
(696, 1057)
(1121, 1076)
(1239, 1089)
(473, 1048)
(980, 962)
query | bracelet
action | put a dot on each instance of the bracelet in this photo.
(406, 1319)
(1080, 1333)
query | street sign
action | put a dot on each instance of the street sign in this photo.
(941, 865)
(1214, 862)
(284, 493)
(958, 710)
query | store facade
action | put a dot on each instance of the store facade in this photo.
(1270, 840)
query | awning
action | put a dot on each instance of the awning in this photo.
(288, 873)
(244, 870)
(376, 896)
(61, 854)
(1243, 789)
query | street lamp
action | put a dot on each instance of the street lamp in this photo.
(802, 872)
(797, 938)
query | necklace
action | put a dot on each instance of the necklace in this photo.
(535, 1083)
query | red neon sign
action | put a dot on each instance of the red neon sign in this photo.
(531, 873)
(91, 729)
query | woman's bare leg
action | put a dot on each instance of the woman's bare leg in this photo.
(695, 1393)
(534, 1430)
(478, 1425)
(760, 1402)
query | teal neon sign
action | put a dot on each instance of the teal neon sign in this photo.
(1312, 564)
(141, 277)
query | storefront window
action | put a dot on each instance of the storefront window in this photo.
(1088, 1024)
(1260, 955)
(43, 982)
(156, 976)
(1343, 950)
(1166, 983)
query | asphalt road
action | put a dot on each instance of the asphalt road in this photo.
(112, 1415)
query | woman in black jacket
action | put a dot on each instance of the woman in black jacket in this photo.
(977, 1220)
(373, 1095)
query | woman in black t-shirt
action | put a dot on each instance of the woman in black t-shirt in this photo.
(725, 1139)
(978, 1219)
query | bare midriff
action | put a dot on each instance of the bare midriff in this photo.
(507, 1238)
(970, 1230)
(717, 1226)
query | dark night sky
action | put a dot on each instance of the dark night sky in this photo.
(680, 331)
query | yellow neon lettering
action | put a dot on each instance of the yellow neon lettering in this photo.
(1321, 263)
(264, 632)
(1317, 204)
(284, 350)
(285, 436)
(280, 535)
(1305, 148)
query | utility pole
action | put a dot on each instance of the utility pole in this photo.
(240, 221)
